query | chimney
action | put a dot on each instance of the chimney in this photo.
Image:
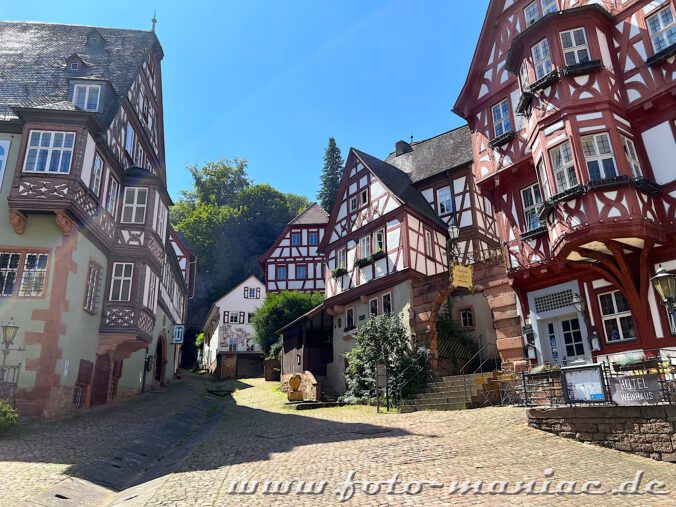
(402, 147)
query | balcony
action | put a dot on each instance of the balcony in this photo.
(127, 318)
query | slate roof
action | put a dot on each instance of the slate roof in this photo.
(33, 62)
(435, 155)
(400, 184)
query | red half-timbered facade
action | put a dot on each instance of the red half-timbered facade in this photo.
(293, 261)
(571, 107)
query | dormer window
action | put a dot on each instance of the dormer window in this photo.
(74, 65)
(94, 40)
(87, 97)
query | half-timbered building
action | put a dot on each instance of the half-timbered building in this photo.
(293, 261)
(88, 265)
(573, 118)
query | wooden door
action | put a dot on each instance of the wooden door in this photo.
(101, 380)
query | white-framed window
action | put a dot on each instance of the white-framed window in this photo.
(33, 275)
(97, 172)
(341, 258)
(662, 29)
(129, 139)
(598, 154)
(234, 318)
(364, 247)
(575, 46)
(501, 119)
(4, 153)
(544, 180)
(373, 307)
(616, 315)
(349, 319)
(151, 298)
(87, 96)
(134, 205)
(281, 272)
(428, 243)
(363, 197)
(94, 274)
(531, 13)
(112, 195)
(542, 59)
(301, 272)
(466, 317)
(445, 199)
(162, 214)
(74, 65)
(530, 198)
(49, 152)
(387, 303)
(524, 78)
(379, 240)
(121, 278)
(353, 203)
(549, 6)
(562, 165)
(313, 238)
(295, 238)
(9, 270)
(138, 156)
(632, 157)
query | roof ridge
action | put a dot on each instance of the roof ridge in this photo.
(75, 25)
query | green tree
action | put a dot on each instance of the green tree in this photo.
(331, 175)
(278, 310)
(383, 340)
(218, 182)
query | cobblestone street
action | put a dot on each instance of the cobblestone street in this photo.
(142, 446)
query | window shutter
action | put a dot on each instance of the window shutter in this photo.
(258, 292)
(241, 318)
(246, 292)
(84, 374)
(226, 316)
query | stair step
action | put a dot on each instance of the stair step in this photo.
(434, 406)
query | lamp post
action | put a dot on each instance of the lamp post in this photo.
(453, 235)
(665, 285)
(9, 330)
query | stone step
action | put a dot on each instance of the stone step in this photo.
(444, 392)
(434, 406)
(435, 400)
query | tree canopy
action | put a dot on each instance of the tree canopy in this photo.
(278, 310)
(229, 221)
(331, 175)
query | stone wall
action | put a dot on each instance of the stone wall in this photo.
(648, 431)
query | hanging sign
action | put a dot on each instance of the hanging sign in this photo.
(635, 390)
(461, 276)
(178, 334)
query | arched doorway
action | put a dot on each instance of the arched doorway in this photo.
(101, 380)
(160, 360)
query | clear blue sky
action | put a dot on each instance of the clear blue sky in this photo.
(271, 81)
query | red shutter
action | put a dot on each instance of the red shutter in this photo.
(84, 374)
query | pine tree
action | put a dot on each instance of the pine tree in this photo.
(331, 174)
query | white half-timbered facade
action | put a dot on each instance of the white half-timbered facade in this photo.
(293, 262)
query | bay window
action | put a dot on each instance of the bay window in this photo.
(549, 6)
(87, 97)
(575, 47)
(134, 206)
(97, 171)
(562, 165)
(120, 286)
(531, 13)
(129, 139)
(542, 59)
(49, 152)
(530, 198)
(632, 157)
(598, 154)
(662, 29)
(111, 196)
(616, 315)
(501, 120)
(544, 180)
(523, 76)
(445, 200)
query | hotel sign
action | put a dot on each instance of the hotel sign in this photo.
(461, 276)
(635, 390)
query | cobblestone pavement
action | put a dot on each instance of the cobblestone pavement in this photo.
(257, 439)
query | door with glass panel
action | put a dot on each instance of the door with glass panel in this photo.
(564, 339)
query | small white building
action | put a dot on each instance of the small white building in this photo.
(229, 349)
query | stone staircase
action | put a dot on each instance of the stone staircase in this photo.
(451, 393)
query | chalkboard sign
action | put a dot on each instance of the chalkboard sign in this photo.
(635, 390)
(583, 384)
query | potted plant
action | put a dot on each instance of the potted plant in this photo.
(634, 361)
(546, 371)
(378, 254)
(362, 262)
(338, 272)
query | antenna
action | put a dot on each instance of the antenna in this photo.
(411, 135)
(154, 21)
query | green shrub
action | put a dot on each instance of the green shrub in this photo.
(8, 416)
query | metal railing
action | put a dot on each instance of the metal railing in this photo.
(483, 358)
(422, 374)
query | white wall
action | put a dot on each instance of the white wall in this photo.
(661, 148)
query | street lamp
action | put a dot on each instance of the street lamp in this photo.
(453, 235)
(594, 338)
(9, 330)
(665, 285)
